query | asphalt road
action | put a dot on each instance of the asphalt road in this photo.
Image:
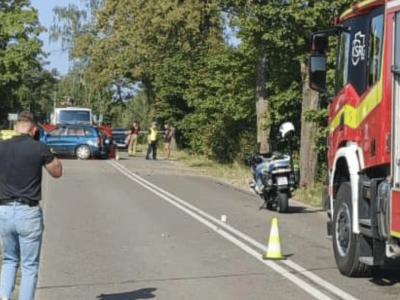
(137, 229)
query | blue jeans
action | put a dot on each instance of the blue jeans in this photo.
(21, 230)
(259, 175)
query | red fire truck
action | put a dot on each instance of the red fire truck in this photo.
(364, 135)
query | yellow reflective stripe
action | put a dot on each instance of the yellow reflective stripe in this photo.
(347, 12)
(365, 3)
(354, 116)
(371, 101)
(395, 233)
(336, 121)
(350, 116)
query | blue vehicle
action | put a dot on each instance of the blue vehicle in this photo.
(80, 141)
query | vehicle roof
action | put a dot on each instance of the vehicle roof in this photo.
(76, 125)
(73, 108)
(360, 9)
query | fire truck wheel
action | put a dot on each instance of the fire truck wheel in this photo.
(82, 152)
(345, 242)
(282, 202)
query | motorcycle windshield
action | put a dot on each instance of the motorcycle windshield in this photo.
(273, 164)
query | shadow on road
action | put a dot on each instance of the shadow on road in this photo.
(302, 210)
(146, 293)
(385, 277)
(297, 210)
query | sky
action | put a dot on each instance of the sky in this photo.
(57, 58)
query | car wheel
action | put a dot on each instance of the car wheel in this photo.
(83, 152)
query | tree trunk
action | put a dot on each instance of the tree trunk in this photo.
(308, 155)
(261, 101)
(150, 95)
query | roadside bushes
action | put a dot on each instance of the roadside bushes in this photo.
(229, 142)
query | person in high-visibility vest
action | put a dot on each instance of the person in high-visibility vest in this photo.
(7, 134)
(152, 141)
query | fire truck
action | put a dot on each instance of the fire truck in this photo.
(364, 135)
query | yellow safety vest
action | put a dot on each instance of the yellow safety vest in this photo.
(153, 135)
(7, 134)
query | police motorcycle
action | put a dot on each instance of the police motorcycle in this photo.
(273, 174)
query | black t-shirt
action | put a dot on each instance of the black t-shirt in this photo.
(168, 134)
(21, 162)
(167, 138)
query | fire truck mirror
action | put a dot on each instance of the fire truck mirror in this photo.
(317, 70)
(319, 43)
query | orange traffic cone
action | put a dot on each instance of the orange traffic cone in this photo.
(274, 245)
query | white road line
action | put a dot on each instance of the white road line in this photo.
(318, 280)
(300, 283)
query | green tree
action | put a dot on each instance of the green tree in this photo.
(280, 30)
(20, 52)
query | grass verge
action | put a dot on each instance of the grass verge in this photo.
(310, 195)
(235, 174)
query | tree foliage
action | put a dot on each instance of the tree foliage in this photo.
(24, 83)
(190, 76)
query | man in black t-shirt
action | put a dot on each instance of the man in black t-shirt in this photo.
(21, 219)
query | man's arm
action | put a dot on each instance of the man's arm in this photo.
(54, 168)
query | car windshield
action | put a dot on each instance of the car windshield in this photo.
(74, 117)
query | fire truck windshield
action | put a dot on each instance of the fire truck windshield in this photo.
(73, 117)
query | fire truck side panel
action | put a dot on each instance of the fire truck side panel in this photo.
(340, 133)
(364, 119)
(384, 154)
(395, 209)
(364, 136)
(393, 6)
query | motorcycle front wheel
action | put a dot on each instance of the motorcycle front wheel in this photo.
(282, 202)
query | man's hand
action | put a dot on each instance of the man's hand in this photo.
(54, 168)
